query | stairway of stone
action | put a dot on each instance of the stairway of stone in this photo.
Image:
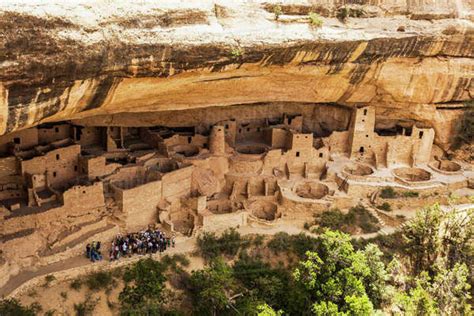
(375, 213)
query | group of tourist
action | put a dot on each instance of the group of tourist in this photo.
(145, 242)
(93, 251)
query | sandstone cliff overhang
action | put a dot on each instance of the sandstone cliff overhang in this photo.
(71, 60)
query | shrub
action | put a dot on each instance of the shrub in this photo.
(208, 244)
(342, 14)
(365, 220)
(279, 243)
(99, 280)
(63, 295)
(388, 193)
(258, 240)
(11, 307)
(277, 10)
(230, 242)
(236, 53)
(315, 19)
(87, 307)
(385, 206)
(212, 246)
(144, 282)
(332, 219)
(76, 284)
(410, 194)
(306, 225)
(301, 243)
(48, 279)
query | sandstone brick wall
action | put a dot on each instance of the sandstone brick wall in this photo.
(47, 135)
(139, 204)
(24, 139)
(9, 166)
(60, 165)
(177, 183)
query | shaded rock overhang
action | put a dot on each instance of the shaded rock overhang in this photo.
(75, 61)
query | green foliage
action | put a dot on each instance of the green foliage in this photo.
(99, 280)
(63, 295)
(342, 14)
(228, 244)
(385, 206)
(277, 10)
(48, 279)
(337, 276)
(418, 300)
(388, 193)
(422, 239)
(357, 216)
(86, 308)
(76, 284)
(144, 285)
(236, 53)
(315, 19)
(11, 307)
(265, 310)
(410, 194)
(279, 243)
(210, 288)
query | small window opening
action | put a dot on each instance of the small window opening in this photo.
(57, 156)
(420, 135)
(320, 155)
(361, 150)
(56, 130)
(248, 129)
(366, 135)
(190, 139)
(297, 154)
(258, 129)
(365, 112)
(240, 130)
(17, 140)
(54, 174)
(227, 126)
(75, 168)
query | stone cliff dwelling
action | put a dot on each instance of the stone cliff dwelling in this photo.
(66, 183)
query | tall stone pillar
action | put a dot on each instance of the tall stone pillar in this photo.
(217, 140)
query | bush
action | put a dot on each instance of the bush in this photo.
(11, 307)
(385, 206)
(279, 243)
(410, 194)
(212, 246)
(361, 217)
(342, 14)
(388, 193)
(87, 307)
(315, 19)
(76, 284)
(277, 10)
(99, 280)
(332, 219)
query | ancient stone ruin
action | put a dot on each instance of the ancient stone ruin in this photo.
(131, 119)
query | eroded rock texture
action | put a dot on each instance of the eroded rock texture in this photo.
(59, 61)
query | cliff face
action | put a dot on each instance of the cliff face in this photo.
(62, 61)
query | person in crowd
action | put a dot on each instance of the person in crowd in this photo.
(149, 241)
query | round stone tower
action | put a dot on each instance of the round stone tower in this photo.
(217, 140)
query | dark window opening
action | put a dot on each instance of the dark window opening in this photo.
(366, 135)
(258, 129)
(227, 126)
(320, 155)
(240, 130)
(363, 120)
(56, 130)
(408, 131)
(83, 192)
(297, 154)
(365, 112)
(420, 135)
(75, 168)
(17, 140)
(248, 129)
(78, 131)
(54, 174)
(190, 139)
(57, 156)
(361, 150)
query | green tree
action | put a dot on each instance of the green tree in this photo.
(11, 307)
(376, 281)
(337, 276)
(418, 301)
(451, 290)
(265, 310)
(212, 288)
(421, 236)
(144, 287)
